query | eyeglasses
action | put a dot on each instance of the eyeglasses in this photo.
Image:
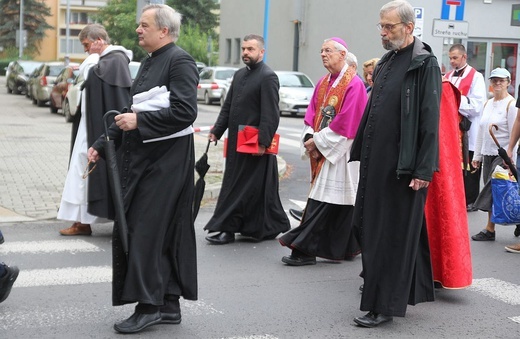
(328, 51)
(498, 80)
(388, 27)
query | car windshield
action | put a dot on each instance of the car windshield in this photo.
(224, 74)
(294, 80)
(55, 70)
(28, 68)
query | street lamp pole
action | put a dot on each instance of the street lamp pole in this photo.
(20, 45)
(67, 35)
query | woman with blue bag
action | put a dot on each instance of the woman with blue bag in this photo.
(501, 112)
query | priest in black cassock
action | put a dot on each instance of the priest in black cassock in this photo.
(249, 202)
(156, 162)
(397, 145)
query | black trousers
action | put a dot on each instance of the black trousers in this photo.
(472, 182)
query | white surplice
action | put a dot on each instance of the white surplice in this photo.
(74, 200)
(338, 179)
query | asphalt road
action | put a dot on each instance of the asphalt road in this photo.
(64, 288)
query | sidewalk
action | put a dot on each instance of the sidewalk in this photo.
(34, 148)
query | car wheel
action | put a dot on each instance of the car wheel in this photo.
(15, 90)
(34, 100)
(53, 108)
(207, 100)
(66, 111)
(9, 91)
(40, 103)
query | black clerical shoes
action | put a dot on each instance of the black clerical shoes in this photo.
(296, 214)
(137, 322)
(170, 318)
(221, 238)
(292, 260)
(372, 319)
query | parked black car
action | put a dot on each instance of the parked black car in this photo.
(16, 82)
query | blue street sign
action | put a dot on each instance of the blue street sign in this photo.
(452, 5)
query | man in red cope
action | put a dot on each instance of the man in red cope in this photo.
(472, 88)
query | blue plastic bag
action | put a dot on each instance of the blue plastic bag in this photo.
(506, 201)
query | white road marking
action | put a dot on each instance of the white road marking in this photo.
(289, 142)
(291, 130)
(261, 336)
(35, 316)
(515, 319)
(497, 289)
(64, 276)
(49, 246)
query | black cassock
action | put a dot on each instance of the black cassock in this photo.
(157, 184)
(394, 245)
(249, 202)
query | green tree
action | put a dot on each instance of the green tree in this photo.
(120, 20)
(200, 13)
(195, 42)
(34, 22)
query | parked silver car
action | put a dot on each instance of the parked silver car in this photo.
(214, 83)
(44, 81)
(71, 102)
(296, 91)
(18, 74)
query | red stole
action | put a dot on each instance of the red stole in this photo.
(465, 83)
(464, 86)
(328, 96)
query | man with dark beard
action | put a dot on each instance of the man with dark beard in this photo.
(249, 202)
(397, 144)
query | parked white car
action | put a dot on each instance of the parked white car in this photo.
(214, 83)
(71, 103)
(296, 91)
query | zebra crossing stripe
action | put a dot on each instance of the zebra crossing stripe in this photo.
(264, 336)
(49, 246)
(497, 289)
(64, 276)
(515, 319)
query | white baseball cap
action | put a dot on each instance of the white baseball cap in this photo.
(500, 73)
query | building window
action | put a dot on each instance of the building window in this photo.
(75, 46)
(228, 51)
(238, 50)
(81, 18)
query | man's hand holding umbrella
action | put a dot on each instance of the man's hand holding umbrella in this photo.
(125, 121)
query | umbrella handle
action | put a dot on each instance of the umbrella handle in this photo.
(207, 146)
(492, 135)
(108, 114)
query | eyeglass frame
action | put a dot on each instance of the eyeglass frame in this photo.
(329, 51)
(498, 80)
(388, 27)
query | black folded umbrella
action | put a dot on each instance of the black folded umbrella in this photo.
(115, 184)
(503, 153)
(202, 167)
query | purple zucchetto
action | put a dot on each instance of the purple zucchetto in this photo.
(339, 41)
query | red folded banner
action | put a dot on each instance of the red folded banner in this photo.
(247, 141)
